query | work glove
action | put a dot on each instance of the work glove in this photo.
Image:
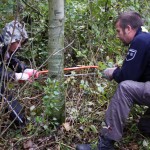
(31, 73)
(108, 73)
(21, 76)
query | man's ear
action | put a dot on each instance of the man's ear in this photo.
(128, 29)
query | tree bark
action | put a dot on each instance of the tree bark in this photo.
(56, 50)
(56, 37)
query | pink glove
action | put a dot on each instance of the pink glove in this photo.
(21, 76)
(109, 72)
(31, 73)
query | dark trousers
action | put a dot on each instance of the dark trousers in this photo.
(127, 94)
(144, 123)
(13, 107)
(16, 111)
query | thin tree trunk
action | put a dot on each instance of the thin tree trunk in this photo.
(56, 46)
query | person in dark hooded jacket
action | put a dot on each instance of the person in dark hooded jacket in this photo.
(13, 36)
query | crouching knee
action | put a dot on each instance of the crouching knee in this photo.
(125, 85)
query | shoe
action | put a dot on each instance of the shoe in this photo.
(83, 147)
(105, 144)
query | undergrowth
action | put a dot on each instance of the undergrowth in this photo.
(89, 27)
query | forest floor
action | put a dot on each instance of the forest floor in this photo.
(85, 109)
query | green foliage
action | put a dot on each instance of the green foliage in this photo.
(36, 17)
(6, 8)
(48, 115)
(90, 25)
(51, 99)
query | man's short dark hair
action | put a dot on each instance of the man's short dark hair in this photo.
(131, 18)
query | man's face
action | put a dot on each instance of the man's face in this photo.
(122, 34)
(14, 46)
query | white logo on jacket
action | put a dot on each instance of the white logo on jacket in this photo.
(131, 54)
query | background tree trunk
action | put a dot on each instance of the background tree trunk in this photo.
(56, 46)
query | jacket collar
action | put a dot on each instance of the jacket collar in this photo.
(138, 31)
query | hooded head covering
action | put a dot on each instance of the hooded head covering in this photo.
(14, 31)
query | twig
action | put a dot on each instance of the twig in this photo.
(32, 8)
(21, 139)
(87, 74)
(67, 146)
(56, 143)
(54, 53)
(33, 97)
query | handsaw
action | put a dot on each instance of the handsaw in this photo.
(70, 69)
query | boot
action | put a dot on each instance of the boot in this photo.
(83, 147)
(105, 144)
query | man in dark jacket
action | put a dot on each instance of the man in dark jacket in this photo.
(133, 78)
(12, 37)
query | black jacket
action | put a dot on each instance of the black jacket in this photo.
(136, 66)
(7, 63)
